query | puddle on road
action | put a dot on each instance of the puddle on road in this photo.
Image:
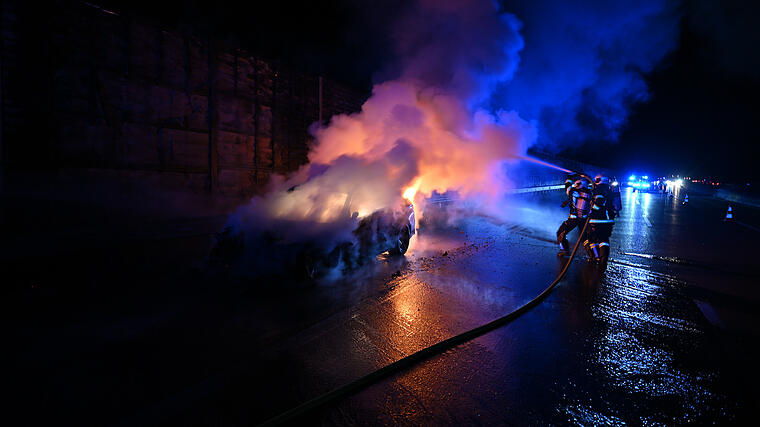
(643, 330)
(673, 260)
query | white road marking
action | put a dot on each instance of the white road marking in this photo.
(649, 224)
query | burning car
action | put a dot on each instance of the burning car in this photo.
(388, 230)
(338, 242)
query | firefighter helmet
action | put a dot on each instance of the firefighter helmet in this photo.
(599, 179)
(579, 184)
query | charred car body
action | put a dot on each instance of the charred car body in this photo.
(315, 249)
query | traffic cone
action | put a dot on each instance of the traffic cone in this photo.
(729, 215)
(686, 200)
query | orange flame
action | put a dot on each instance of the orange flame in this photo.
(411, 191)
(409, 194)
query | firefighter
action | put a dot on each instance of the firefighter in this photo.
(602, 219)
(579, 198)
(569, 181)
(618, 202)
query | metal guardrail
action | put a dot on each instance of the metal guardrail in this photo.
(440, 201)
(443, 200)
(735, 197)
(536, 189)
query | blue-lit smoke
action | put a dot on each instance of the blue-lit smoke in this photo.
(583, 65)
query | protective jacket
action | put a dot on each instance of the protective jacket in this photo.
(603, 206)
(580, 202)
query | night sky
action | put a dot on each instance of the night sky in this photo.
(700, 119)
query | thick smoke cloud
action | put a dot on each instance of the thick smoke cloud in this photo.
(447, 58)
(421, 130)
(461, 47)
(451, 109)
(584, 65)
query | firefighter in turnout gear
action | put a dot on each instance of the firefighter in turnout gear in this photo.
(579, 198)
(569, 181)
(602, 219)
(617, 202)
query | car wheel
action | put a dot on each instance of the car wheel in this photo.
(311, 272)
(309, 267)
(402, 244)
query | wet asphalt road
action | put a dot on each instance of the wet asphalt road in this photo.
(664, 336)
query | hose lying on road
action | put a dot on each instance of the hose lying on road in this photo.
(423, 354)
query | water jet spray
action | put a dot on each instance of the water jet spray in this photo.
(547, 164)
(553, 166)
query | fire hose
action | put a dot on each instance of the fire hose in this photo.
(426, 352)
